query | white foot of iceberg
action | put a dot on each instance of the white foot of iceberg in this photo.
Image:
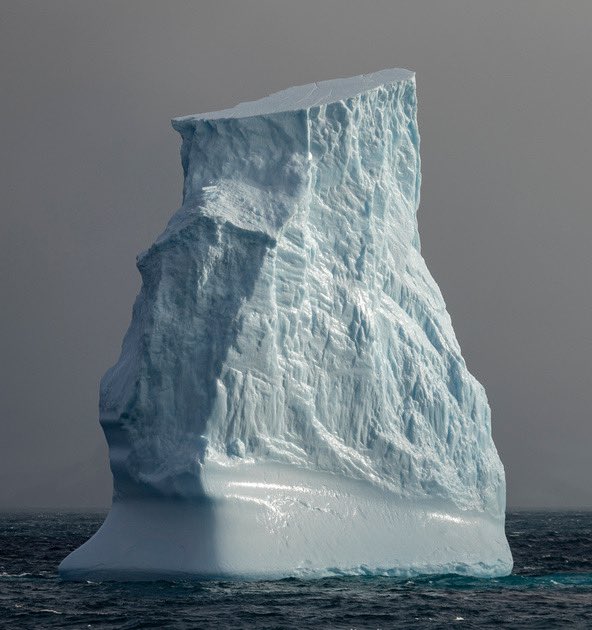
(290, 398)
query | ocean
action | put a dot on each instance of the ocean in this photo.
(551, 587)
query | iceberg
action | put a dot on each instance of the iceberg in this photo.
(290, 399)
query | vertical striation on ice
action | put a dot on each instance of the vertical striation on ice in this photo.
(291, 363)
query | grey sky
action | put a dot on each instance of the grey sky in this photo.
(90, 173)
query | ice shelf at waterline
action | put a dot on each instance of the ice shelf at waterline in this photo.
(290, 397)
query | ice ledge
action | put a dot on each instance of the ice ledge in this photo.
(304, 96)
(269, 521)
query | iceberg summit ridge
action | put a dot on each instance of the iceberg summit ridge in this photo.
(303, 97)
(290, 397)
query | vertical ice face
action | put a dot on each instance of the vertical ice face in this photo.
(288, 328)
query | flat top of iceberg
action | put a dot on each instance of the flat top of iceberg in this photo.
(305, 96)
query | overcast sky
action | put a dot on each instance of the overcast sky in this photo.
(90, 173)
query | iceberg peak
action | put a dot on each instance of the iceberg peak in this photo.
(305, 96)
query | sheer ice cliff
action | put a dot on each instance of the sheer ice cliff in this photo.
(290, 397)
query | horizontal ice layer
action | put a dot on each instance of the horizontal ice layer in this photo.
(289, 334)
(271, 521)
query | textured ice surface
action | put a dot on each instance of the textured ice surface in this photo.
(290, 396)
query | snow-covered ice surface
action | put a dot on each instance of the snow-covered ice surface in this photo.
(290, 397)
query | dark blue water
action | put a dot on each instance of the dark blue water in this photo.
(551, 587)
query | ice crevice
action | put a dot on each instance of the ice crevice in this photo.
(291, 398)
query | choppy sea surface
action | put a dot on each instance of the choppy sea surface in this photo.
(551, 587)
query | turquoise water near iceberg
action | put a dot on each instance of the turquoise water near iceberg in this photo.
(551, 587)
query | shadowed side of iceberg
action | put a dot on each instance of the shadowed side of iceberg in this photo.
(156, 427)
(156, 402)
